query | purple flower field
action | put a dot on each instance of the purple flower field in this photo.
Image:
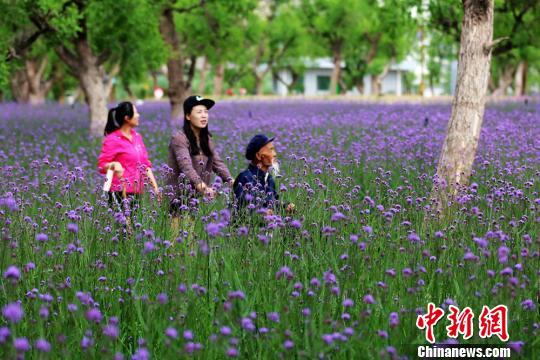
(345, 276)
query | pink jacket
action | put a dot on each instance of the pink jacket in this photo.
(131, 154)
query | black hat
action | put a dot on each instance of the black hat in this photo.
(195, 100)
(255, 144)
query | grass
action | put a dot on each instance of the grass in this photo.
(125, 281)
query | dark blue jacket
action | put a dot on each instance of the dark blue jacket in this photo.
(255, 186)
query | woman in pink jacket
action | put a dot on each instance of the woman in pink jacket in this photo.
(124, 152)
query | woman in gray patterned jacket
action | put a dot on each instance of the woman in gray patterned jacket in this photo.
(193, 157)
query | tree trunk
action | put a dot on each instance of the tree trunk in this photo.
(294, 79)
(128, 90)
(78, 95)
(422, 85)
(60, 81)
(218, 79)
(373, 47)
(375, 85)
(463, 132)
(336, 72)
(432, 84)
(521, 79)
(37, 98)
(505, 80)
(524, 78)
(94, 82)
(153, 74)
(343, 85)
(112, 94)
(491, 84)
(259, 85)
(91, 80)
(19, 86)
(290, 86)
(37, 87)
(259, 75)
(202, 78)
(178, 88)
(259, 79)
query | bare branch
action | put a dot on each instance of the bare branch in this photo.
(518, 22)
(43, 62)
(115, 70)
(109, 83)
(104, 56)
(20, 47)
(374, 43)
(258, 57)
(191, 71)
(71, 60)
(48, 85)
(212, 22)
(282, 50)
(280, 79)
(489, 47)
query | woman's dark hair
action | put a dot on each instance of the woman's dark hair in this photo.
(117, 115)
(204, 137)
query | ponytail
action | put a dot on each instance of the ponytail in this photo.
(117, 116)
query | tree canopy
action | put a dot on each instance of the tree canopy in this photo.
(245, 42)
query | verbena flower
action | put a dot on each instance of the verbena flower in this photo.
(13, 312)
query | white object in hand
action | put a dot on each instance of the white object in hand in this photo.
(108, 182)
(274, 169)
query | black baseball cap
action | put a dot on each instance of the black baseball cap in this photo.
(255, 144)
(195, 100)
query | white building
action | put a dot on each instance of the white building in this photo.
(316, 79)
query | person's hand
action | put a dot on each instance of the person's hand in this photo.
(117, 168)
(290, 208)
(210, 193)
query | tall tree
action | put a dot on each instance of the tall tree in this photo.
(333, 23)
(278, 36)
(441, 51)
(383, 36)
(516, 23)
(174, 22)
(32, 81)
(21, 64)
(192, 29)
(226, 25)
(94, 50)
(463, 133)
(33, 73)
